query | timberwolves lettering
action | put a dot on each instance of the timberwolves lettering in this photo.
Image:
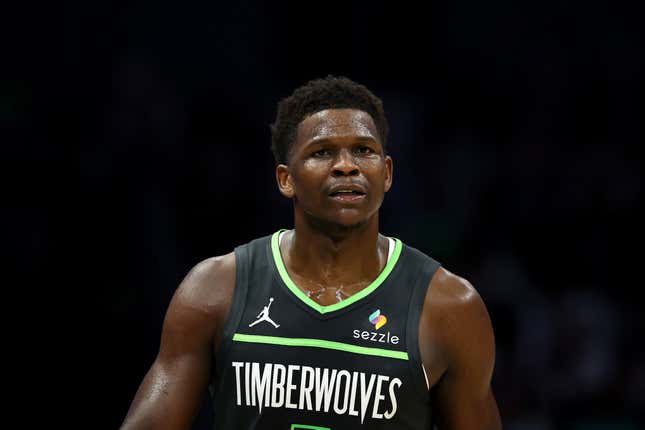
(314, 389)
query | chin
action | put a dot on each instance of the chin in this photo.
(342, 221)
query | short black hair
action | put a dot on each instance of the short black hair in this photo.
(332, 92)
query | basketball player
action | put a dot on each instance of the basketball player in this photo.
(330, 325)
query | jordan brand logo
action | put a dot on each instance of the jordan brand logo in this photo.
(264, 316)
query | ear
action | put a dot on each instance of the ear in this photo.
(388, 172)
(285, 185)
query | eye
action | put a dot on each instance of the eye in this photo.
(364, 150)
(321, 153)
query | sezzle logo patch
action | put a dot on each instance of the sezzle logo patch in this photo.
(379, 321)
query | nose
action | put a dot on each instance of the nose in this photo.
(344, 164)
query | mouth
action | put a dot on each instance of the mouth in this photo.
(347, 195)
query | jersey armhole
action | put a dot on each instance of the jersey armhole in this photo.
(417, 300)
(237, 306)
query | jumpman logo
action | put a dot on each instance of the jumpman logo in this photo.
(264, 316)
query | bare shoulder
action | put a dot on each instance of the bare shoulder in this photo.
(454, 305)
(454, 321)
(452, 295)
(209, 283)
(203, 299)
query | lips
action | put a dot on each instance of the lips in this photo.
(347, 192)
(347, 189)
(347, 197)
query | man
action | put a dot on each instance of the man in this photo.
(330, 325)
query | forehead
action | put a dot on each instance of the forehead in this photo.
(330, 123)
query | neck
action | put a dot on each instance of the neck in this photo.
(330, 255)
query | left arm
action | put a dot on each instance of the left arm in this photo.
(463, 395)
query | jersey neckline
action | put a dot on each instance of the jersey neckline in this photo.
(284, 275)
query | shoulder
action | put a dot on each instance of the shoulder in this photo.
(208, 280)
(210, 284)
(205, 294)
(450, 292)
(455, 314)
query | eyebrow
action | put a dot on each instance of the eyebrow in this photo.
(315, 141)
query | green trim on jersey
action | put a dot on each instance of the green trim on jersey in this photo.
(320, 343)
(277, 257)
(305, 426)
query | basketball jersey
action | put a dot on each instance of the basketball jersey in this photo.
(289, 363)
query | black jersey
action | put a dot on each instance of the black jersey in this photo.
(288, 363)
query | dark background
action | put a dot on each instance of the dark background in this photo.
(137, 144)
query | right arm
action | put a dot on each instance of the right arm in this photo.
(172, 390)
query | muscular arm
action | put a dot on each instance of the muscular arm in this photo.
(458, 326)
(172, 390)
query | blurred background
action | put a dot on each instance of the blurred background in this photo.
(137, 144)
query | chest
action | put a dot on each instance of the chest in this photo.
(286, 362)
(328, 293)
